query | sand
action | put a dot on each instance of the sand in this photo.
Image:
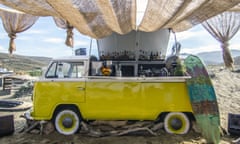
(227, 87)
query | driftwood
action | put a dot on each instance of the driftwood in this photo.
(136, 130)
(101, 128)
(157, 126)
(33, 126)
(95, 130)
(236, 141)
(114, 124)
(43, 127)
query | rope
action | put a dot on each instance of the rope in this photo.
(12, 46)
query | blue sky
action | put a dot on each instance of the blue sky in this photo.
(197, 39)
(44, 38)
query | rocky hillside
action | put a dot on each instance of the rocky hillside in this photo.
(22, 63)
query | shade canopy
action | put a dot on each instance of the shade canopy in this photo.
(99, 18)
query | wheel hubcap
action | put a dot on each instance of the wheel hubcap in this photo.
(176, 123)
(67, 122)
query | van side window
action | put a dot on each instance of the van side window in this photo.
(77, 70)
(63, 69)
(66, 70)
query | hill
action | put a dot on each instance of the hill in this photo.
(29, 63)
(22, 63)
(237, 60)
(215, 57)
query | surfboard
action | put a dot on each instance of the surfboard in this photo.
(203, 99)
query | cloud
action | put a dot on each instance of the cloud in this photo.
(45, 50)
(2, 49)
(81, 43)
(235, 46)
(24, 38)
(207, 48)
(193, 33)
(34, 31)
(3, 35)
(54, 40)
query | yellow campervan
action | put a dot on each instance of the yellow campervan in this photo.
(73, 89)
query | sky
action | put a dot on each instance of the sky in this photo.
(44, 38)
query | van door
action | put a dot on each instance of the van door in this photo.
(66, 79)
(64, 84)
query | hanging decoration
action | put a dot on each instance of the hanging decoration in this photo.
(223, 27)
(66, 25)
(15, 22)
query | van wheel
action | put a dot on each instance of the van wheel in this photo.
(67, 121)
(176, 123)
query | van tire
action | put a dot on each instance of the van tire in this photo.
(67, 121)
(176, 123)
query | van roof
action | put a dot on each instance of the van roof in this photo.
(71, 58)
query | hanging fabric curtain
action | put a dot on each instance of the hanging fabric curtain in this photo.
(223, 27)
(15, 22)
(66, 25)
(181, 15)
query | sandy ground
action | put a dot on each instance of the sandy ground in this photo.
(227, 87)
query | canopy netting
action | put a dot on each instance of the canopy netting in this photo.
(99, 18)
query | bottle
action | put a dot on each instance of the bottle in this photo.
(151, 56)
(102, 55)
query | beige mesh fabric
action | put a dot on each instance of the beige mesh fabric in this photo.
(95, 18)
(66, 25)
(235, 8)
(223, 27)
(33, 7)
(15, 22)
(181, 15)
(98, 18)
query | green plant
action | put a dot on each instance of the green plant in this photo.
(180, 69)
(35, 73)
